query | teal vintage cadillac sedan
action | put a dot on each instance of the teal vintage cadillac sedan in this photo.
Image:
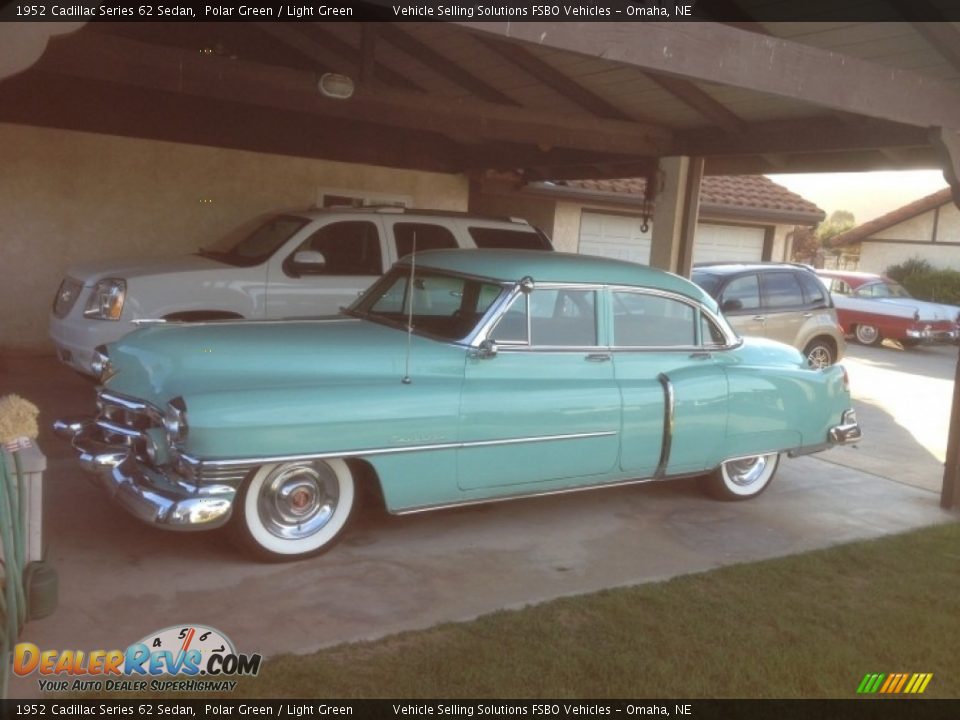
(461, 377)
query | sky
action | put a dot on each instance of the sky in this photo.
(866, 194)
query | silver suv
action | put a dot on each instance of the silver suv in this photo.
(779, 301)
(282, 265)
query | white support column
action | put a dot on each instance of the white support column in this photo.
(677, 206)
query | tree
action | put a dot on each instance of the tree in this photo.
(839, 222)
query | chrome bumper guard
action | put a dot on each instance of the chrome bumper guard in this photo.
(159, 497)
(847, 431)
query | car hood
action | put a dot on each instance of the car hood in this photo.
(126, 268)
(159, 362)
(927, 310)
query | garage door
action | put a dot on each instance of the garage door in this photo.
(716, 243)
(619, 236)
(614, 236)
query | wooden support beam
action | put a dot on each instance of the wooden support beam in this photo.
(441, 65)
(567, 87)
(717, 53)
(814, 134)
(115, 59)
(332, 52)
(688, 93)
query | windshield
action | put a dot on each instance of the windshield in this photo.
(884, 289)
(441, 305)
(254, 241)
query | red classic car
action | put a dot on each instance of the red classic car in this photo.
(873, 307)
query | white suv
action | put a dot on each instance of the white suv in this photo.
(294, 264)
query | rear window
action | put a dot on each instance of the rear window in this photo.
(497, 238)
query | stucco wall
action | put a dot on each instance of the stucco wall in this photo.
(948, 224)
(916, 228)
(67, 197)
(877, 257)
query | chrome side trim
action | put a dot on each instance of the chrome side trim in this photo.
(367, 452)
(669, 406)
(542, 493)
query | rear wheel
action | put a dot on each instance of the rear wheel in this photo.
(289, 511)
(742, 478)
(868, 334)
(820, 354)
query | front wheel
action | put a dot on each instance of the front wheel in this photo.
(290, 511)
(742, 478)
(867, 334)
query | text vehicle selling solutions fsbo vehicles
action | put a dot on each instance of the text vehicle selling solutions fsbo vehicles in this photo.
(459, 377)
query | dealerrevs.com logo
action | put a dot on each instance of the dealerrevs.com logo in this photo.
(184, 658)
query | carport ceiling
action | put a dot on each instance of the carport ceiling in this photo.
(555, 101)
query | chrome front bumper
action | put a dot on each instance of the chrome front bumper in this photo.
(157, 496)
(848, 431)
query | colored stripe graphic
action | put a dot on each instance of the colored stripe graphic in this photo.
(894, 683)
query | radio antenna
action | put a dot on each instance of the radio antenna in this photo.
(413, 266)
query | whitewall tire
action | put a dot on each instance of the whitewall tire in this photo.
(288, 511)
(743, 478)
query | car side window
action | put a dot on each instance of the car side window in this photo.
(554, 317)
(710, 334)
(641, 320)
(814, 292)
(428, 237)
(744, 290)
(348, 248)
(781, 290)
(839, 287)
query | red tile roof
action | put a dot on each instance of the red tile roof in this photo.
(917, 207)
(741, 192)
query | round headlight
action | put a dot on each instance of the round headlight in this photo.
(175, 420)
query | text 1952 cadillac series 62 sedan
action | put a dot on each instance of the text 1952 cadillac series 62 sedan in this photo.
(459, 377)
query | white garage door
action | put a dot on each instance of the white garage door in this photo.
(614, 236)
(619, 236)
(715, 243)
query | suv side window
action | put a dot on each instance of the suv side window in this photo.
(781, 290)
(350, 247)
(745, 289)
(511, 239)
(428, 237)
(813, 290)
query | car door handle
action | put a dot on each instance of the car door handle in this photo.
(807, 315)
(598, 357)
(700, 356)
(760, 318)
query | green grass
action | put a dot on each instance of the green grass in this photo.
(804, 626)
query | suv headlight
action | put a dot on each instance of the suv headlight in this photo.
(175, 421)
(106, 300)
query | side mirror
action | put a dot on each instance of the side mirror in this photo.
(309, 260)
(731, 305)
(486, 350)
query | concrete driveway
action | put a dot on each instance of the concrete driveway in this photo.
(120, 580)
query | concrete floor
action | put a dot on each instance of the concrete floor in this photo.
(120, 580)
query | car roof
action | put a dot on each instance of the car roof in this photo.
(513, 265)
(853, 277)
(732, 268)
(317, 212)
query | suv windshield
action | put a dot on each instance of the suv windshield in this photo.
(254, 241)
(441, 305)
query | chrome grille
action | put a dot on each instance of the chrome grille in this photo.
(123, 421)
(66, 297)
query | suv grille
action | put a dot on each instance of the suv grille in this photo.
(66, 297)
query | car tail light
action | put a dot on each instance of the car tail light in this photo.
(846, 379)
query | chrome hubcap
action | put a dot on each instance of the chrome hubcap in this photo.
(747, 471)
(819, 357)
(297, 500)
(866, 333)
